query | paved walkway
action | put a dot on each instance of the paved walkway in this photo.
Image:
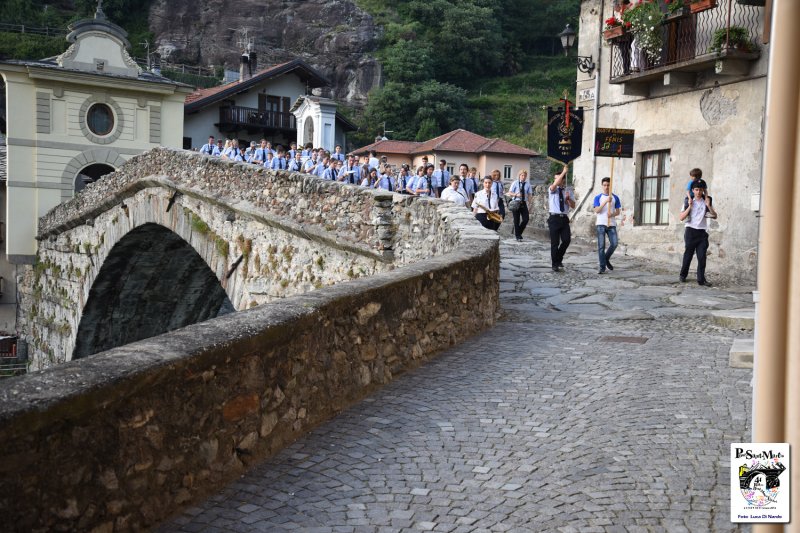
(545, 423)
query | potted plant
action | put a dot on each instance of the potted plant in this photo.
(675, 9)
(696, 6)
(644, 19)
(614, 28)
(737, 37)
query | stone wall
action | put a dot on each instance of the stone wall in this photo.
(123, 439)
(264, 235)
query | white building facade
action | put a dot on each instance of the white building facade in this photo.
(690, 107)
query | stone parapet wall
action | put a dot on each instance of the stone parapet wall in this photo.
(350, 214)
(123, 439)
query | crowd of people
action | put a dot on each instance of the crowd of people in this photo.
(484, 196)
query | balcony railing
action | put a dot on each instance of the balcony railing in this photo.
(252, 118)
(687, 37)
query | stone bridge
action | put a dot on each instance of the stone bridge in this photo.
(176, 238)
(126, 437)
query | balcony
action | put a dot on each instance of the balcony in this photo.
(237, 118)
(688, 48)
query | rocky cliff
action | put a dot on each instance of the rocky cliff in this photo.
(334, 36)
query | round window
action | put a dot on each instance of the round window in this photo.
(100, 119)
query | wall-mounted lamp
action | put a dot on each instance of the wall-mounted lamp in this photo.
(585, 63)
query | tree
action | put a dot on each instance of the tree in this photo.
(408, 62)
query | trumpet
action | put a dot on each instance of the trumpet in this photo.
(494, 216)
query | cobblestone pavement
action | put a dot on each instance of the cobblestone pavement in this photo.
(541, 424)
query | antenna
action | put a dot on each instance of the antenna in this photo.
(385, 131)
(244, 42)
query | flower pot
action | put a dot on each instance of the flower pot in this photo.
(684, 11)
(613, 33)
(697, 6)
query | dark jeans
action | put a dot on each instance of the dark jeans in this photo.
(486, 223)
(521, 218)
(696, 241)
(502, 205)
(604, 255)
(560, 237)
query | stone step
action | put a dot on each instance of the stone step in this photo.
(735, 318)
(741, 354)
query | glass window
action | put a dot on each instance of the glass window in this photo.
(507, 172)
(654, 188)
(100, 119)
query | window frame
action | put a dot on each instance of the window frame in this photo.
(662, 175)
(507, 172)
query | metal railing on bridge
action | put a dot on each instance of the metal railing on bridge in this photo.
(728, 27)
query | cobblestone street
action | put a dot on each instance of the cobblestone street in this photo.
(597, 403)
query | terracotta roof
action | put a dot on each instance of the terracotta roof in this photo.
(204, 97)
(454, 141)
(499, 146)
(389, 147)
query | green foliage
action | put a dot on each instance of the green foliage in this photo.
(431, 49)
(194, 80)
(129, 14)
(29, 46)
(736, 37)
(645, 22)
(199, 225)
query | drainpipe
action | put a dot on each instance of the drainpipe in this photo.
(595, 113)
(775, 405)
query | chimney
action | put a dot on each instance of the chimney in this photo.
(253, 64)
(244, 67)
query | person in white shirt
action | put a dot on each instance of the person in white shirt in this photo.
(373, 160)
(486, 201)
(559, 203)
(454, 193)
(606, 225)
(695, 235)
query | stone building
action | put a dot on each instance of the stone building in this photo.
(266, 103)
(456, 147)
(693, 102)
(67, 121)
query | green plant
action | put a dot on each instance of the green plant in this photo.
(644, 19)
(735, 36)
(673, 6)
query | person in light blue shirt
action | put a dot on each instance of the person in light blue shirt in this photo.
(351, 172)
(311, 163)
(322, 164)
(337, 153)
(333, 171)
(441, 178)
(210, 148)
(268, 162)
(292, 150)
(279, 161)
(385, 180)
(250, 153)
(521, 189)
(296, 164)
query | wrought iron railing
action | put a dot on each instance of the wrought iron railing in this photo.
(251, 117)
(688, 36)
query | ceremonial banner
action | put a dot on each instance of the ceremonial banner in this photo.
(564, 132)
(612, 142)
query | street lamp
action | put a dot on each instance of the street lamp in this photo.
(585, 63)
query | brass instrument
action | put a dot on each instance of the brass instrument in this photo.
(494, 216)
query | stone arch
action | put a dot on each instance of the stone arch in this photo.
(152, 281)
(105, 156)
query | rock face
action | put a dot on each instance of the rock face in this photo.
(336, 37)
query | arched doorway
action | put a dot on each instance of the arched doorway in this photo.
(91, 174)
(308, 131)
(151, 282)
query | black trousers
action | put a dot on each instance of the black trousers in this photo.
(486, 223)
(521, 217)
(560, 237)
(696, 241)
